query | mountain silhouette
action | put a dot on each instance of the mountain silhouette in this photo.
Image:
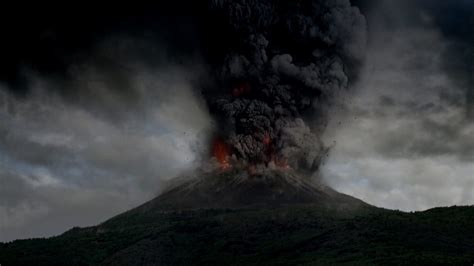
(269, 218)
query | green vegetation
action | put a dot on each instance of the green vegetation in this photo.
(296, 234)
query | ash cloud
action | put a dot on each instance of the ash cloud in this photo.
(263, 67)
(99, 107)
(277, 66)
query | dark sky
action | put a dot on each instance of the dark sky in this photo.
(98, 109)
(50, 38)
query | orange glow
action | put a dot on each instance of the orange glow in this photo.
(241, 89)
(221, 151)
(282, 163)
(266, 139)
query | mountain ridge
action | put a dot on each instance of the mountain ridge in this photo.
(239, 189)
(301, 225)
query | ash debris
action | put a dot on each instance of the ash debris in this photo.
(276, 68)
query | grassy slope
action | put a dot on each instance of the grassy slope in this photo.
(291, 235)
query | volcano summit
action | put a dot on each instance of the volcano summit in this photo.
(239, 189)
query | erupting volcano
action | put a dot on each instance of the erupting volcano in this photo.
(277, 68)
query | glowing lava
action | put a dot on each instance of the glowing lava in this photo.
(221, 151)
(266, 139)
(241, 89)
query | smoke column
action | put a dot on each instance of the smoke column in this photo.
(276, 67)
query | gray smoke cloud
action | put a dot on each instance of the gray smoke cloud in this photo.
(283, 64)
(94, 122)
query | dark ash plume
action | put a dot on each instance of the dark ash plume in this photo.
(277, 64)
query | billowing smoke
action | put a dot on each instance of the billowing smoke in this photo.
(102, 110)
(276, 65)
(272, 68)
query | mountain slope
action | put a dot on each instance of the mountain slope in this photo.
(238, 189)
(292, 224)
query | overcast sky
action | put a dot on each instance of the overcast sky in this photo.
(403, 138)
(67, 164)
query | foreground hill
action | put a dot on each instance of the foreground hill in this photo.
(282, 231)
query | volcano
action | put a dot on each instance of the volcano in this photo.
(271, 217)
